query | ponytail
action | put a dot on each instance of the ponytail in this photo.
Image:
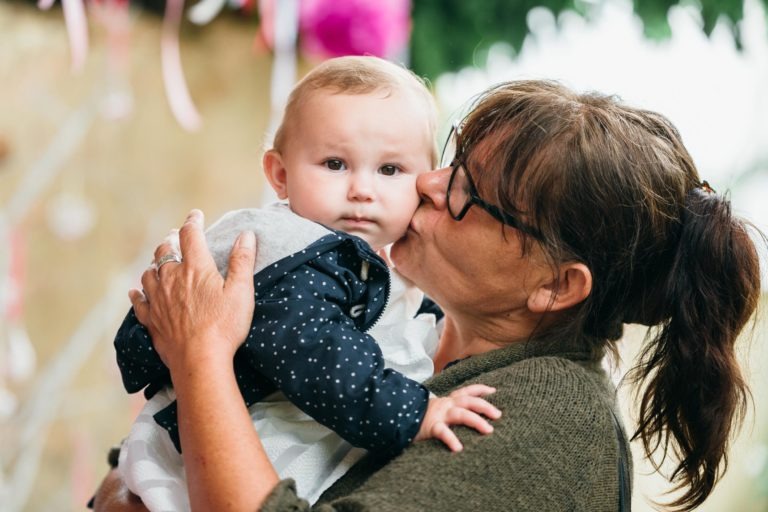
(695, 396)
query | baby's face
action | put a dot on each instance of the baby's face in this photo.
(352, 161)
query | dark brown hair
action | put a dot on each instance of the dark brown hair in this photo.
(613, 187)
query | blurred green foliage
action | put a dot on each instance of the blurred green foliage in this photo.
(451, 34)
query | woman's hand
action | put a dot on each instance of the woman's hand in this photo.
(114, 496)
(197, 321)
(188, 307)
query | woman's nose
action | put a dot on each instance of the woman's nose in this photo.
(432, 186)
(361, 186)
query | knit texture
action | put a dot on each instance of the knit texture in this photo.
(555, 447)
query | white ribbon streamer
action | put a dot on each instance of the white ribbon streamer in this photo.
(205, 10)
(77, 29)
(173, 76)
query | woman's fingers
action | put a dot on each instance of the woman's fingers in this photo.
(163, 250)
(242, 260)
(186, 305)
(140, 305)
(192, 239)
(149, 282)
(172, 238)
(113, 495)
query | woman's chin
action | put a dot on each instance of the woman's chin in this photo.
(403, 260)
(398, 253)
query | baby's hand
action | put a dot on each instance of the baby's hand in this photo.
(462, 407)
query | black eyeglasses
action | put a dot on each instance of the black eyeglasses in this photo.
(461, 193)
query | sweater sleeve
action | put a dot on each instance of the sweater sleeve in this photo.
(305, 340)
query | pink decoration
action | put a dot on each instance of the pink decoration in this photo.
(115, 18)
(14, 307)
(77, 27)
(332, 28)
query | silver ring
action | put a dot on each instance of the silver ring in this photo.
(171, 256)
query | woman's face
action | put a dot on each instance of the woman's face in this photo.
(473, 265)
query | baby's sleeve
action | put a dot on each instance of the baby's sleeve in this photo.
(304, 339)
(140, 366)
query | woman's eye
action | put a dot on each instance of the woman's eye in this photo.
(334, 164)
(389, 170)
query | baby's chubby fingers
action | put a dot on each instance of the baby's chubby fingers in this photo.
(443, 433)
(467, 418)
(477, 405)
(473, 390)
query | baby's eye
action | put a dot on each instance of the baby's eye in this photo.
(389, 170)
(335, 164)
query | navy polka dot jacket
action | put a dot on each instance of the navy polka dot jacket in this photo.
(308, 339)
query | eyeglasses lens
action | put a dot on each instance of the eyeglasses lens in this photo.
(457, 193)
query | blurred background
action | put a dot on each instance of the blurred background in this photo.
(117, 117)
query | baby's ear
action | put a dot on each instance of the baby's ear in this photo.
(573, 286)
(276, 173)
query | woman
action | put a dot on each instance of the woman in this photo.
(561, 217)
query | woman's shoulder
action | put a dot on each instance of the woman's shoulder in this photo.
(557, 421)
(549, 381)
(553, 429)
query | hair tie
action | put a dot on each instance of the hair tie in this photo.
(704, 185)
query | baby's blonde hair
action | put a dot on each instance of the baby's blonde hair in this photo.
(357, 75)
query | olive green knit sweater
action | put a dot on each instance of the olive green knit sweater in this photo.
(555, 447)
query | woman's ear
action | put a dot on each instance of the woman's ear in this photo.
(572, 287)
(276, 173)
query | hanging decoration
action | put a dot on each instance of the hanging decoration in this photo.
(329, 28)
(176, 89)
(326, 28)
(114, 17)
(77, 28)
(205, 10)
(285, 30)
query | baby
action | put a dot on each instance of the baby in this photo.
(338, 346)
